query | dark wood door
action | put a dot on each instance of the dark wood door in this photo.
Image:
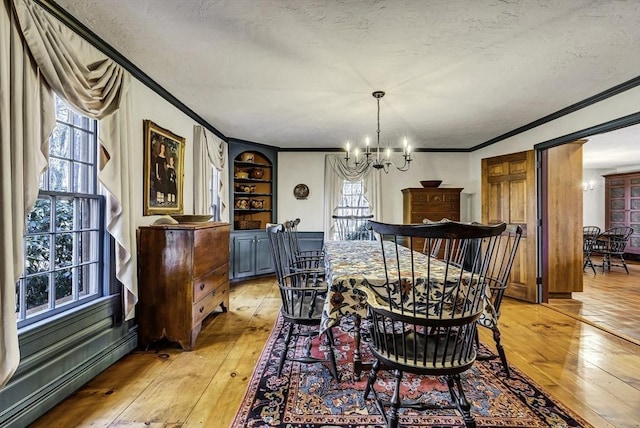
(509, 195)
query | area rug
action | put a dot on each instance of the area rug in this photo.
(306, 396)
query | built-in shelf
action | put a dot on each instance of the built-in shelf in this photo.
(252, 196)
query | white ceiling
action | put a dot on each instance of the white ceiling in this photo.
(299, 73)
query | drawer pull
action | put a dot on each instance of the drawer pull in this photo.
(201, 286)
(201, 310)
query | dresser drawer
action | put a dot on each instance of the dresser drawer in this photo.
(428, 207)
(210, 249)
(208, 303)
(204, 285)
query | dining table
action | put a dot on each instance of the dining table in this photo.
(352, 264)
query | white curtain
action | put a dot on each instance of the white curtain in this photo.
(27, 117)
(95, 86)
(334, 175)
(209, 150)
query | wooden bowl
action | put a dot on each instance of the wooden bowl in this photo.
(431, 183)
(191, 218)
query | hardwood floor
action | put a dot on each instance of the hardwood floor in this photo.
(591, 371)
(610, 300)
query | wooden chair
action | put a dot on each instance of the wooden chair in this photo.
(310, 259)
(302, 302)
(589, 237)
(497, 277)
(423, 313)
(353, 227)
(612, 243)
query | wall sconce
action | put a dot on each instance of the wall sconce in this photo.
(587, 185)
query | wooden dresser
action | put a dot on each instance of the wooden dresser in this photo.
(432, 203)
(183, 277)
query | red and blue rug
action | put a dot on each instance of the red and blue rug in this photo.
(306, 396)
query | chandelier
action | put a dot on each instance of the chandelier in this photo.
(378, 159)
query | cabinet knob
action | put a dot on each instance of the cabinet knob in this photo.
(201, 287)
(257, 240)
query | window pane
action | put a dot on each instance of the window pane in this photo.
(87, 246)
(39, 218)
(59, 175)
(87, 280)
(60, 142)
(63, 113)
(88, 213)
(64, 214)
(82, 146)
(81, 121)
(64, 286)
(37, 293)
(64, 249)
(37, 254)
(83, 178)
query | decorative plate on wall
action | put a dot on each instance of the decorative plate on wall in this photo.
(301, 191)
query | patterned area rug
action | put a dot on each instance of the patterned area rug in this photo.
(306, 396)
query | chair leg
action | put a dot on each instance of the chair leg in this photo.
(395, 402)
(332, 356)
(283, 356)
(501, 353)
(373, 375)
(624, 264)
(458, 397)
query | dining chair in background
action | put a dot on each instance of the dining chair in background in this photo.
(589, 237)
(302, 301)
(612, 243)
(424, 321)
(309, 259)
(497, 277)
(353, 227)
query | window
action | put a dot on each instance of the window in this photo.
(215, 196)
(352, 202)
(63, 243)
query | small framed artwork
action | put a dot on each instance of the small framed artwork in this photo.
(163, 170)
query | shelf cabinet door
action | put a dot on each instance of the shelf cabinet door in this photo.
(251, 255)
(264, 261)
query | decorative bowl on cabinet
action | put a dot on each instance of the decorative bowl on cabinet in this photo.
(431, 183)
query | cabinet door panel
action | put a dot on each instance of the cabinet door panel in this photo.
(243, 249)
(264, 261)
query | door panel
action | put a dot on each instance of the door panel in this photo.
(508, 195)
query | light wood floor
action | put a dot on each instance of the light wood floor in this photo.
(594, 373)
(610, 299)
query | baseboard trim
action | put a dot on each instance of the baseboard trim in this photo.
(45, 398)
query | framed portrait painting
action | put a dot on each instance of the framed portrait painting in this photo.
(163, 170)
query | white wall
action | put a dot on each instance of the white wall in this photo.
(308, 168)
(593, 199)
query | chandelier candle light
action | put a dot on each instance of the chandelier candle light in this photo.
(378, 163)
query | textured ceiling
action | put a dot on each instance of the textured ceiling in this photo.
(300, 73)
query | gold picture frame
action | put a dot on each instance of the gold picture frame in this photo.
(163, 170)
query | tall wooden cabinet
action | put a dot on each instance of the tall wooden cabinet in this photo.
(429, 203)
(622, 205)
(183, 277)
